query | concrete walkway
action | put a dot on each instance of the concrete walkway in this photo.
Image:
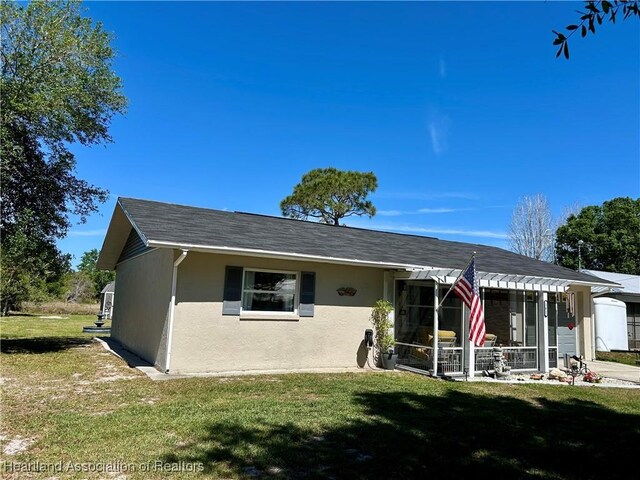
(111, 346)
(619, 371)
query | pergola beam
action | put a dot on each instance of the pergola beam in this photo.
(494, 280)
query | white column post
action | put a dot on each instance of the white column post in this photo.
(470, 347)
(543, 332)
(436, 304)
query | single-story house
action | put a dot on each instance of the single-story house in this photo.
(202, 290)
(627, 291)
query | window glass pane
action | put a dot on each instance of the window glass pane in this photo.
(270, 281)
(269, 291)
(267, 302)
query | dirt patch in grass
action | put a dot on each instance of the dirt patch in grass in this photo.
(17, 445)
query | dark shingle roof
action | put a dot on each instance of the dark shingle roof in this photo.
(178, 224)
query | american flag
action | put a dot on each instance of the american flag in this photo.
(466, 287)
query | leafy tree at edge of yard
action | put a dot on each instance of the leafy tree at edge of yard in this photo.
(610, 234)
(58, 88)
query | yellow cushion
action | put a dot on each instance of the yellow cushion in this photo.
(446, 334)
(425, 335)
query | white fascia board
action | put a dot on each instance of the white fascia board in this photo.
(248, 252)
(594, 284)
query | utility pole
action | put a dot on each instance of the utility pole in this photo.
(580, 242)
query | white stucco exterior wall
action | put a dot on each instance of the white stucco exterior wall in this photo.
(204, 340)
(585, 337)
(143, 286)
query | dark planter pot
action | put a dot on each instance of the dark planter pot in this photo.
(389, 361)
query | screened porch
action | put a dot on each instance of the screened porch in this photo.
(515, 320)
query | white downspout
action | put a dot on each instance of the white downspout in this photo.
(172, 306)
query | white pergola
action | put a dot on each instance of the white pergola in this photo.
(493, 280)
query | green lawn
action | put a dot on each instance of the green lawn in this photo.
(69, 401)
(619, 357)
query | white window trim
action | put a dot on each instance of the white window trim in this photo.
(271, 313)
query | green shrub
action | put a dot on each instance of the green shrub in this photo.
(382, 325)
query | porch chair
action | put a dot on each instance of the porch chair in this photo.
(490, 340)
(424, 337)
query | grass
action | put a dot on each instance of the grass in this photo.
(619, 357)
(69, 401)
(58, 307)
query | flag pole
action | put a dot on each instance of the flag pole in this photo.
(441, 302)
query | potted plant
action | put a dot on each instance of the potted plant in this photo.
(384, 340)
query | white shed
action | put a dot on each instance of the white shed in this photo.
(106, 299)
(611, 324)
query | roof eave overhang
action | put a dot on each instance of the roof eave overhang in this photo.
(443, 275)
(249, 252)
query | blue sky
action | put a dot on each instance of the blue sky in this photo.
(460, 109)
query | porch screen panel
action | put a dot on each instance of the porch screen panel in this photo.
(497, 314)
(531, 318)
(451, 314)
(552, 317)
(516, 301)
(414, 309)
(633, 324)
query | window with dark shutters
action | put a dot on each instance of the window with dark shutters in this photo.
(268, 291)
(232, 299)
(307, 294)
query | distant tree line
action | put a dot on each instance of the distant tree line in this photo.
(597, 237)
(82, 285)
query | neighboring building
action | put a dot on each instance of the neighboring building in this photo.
(106, 299)
(202, 290)
(627, 291)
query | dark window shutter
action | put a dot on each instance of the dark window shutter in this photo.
(307, 294)
(232, 299)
